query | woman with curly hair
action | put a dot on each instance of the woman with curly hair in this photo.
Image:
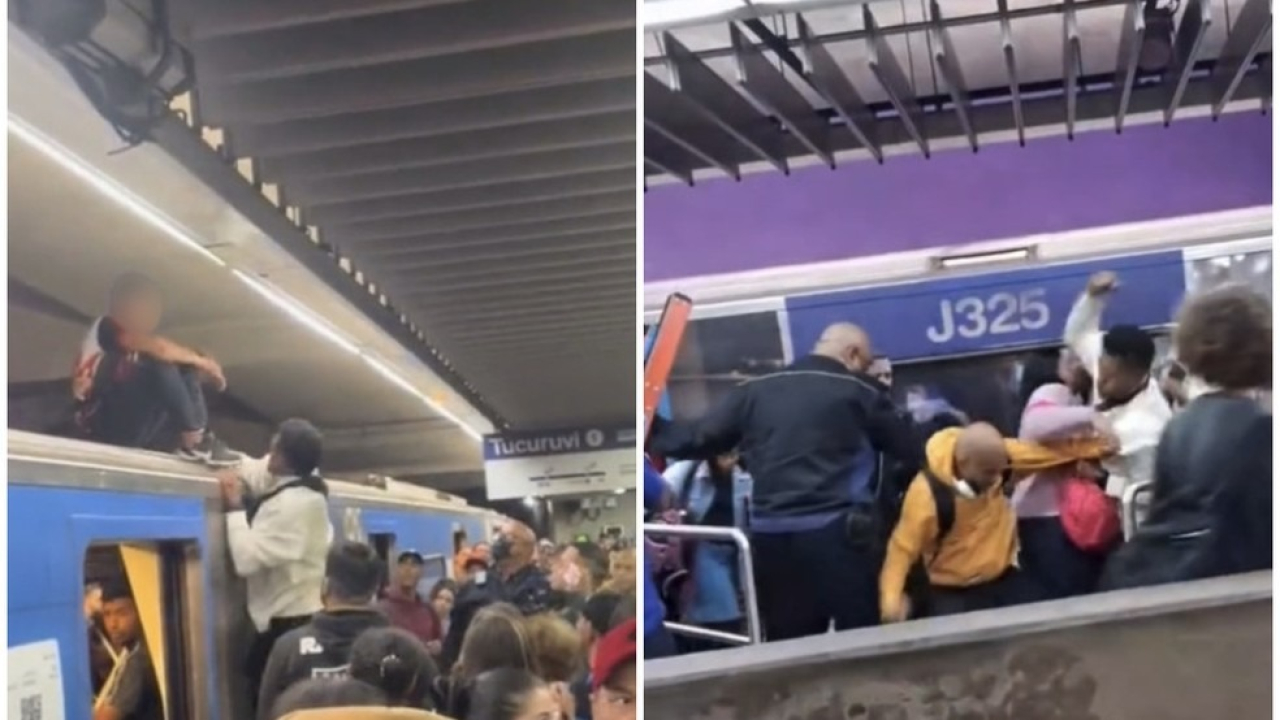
(1211, 500)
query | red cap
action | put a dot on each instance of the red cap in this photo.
(615, 648)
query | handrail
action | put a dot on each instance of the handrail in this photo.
(746, 572)
(1129, 506)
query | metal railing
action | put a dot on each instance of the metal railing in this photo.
(1129, 506)
(745, 572)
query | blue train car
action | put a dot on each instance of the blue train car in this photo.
(74, 507)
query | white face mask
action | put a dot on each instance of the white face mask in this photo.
(965, 490)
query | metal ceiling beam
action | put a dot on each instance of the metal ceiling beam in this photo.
(948, 64)
(1192, 30)
(563, 102)
(622, 302)
(824, 76)
(515, 193)
(492, 271)
(535, 254)
(452, 252)
(476, 173)
(584, 317)
(1070, 63)
(585, 227)
(669, 115)
(884, 66)
(710, 95)
(1131, 30)
(484, 218)
(552, 328)
(449, 149)
(772, 91)
(219, 19)
(1011, 69)
(515, 293)
(1247, 36)
(537, 338)
(567, 301)
(664, 156)
(453, 77)
(402, 37)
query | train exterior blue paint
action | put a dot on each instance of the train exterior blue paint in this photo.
(953, 316)
(52, 524)
(50, 528)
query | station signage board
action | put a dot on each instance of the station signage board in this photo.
(559, 462)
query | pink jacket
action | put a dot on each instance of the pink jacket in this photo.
(1052, 413)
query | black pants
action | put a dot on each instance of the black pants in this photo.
(1012, 588)
(260, 651)
(808, 581)
(1050, 559)
(135, 403)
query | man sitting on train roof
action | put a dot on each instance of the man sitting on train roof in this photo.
(134, 388)
(956, 517)
(1120, 361)
(322, 647)
(132, 691)
(278, 536)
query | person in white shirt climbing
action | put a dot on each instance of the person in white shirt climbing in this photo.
(1127, 395)
(279, 534)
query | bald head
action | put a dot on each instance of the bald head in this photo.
(981, 457)
(847, 344)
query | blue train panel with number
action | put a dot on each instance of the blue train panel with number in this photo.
(953, 316)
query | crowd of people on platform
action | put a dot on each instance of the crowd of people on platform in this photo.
(860, 511)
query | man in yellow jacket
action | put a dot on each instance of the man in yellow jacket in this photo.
(974, 566)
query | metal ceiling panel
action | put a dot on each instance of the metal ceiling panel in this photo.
(473, 163)
(520, 192)
(1193, 29)
(564, 102)
(1251, 29)
(903, 76)
(402, 37)
(307, 192)
(543, 136)
(452, 77)
(677, 124)
(772, 91)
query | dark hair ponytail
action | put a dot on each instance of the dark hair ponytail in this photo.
(398, 663)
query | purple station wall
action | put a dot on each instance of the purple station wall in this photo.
(909, 203)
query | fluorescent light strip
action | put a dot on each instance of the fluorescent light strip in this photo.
(405, 385)
(295, 310)
(105, 185)
(157, 219)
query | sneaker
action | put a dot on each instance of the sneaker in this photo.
(212, 452)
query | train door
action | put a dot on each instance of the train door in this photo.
(143, 620)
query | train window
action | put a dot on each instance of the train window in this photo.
(139, 608)
(383, 544)
(717, 354)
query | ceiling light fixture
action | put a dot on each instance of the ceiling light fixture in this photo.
(170, 227)
(107, 186)
(954, 262)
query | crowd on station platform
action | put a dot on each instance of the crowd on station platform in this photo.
(860, 511)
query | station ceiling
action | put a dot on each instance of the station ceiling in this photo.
(471, 161)
(866, 81)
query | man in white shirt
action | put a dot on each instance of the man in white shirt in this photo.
(279, 536)
(1125, 393)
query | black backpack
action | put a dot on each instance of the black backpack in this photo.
(918, 585)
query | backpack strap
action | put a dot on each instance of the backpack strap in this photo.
(313, 483)
(944, 500)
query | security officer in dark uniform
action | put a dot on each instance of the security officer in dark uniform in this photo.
(810, 435)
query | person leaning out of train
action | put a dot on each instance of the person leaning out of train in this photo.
(1210, 509)
(278, 533)
(405, 607)
(1120, 361)
(322, 647)
(972, 564)
(131, 691)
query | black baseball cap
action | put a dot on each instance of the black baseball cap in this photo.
(411, 555)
